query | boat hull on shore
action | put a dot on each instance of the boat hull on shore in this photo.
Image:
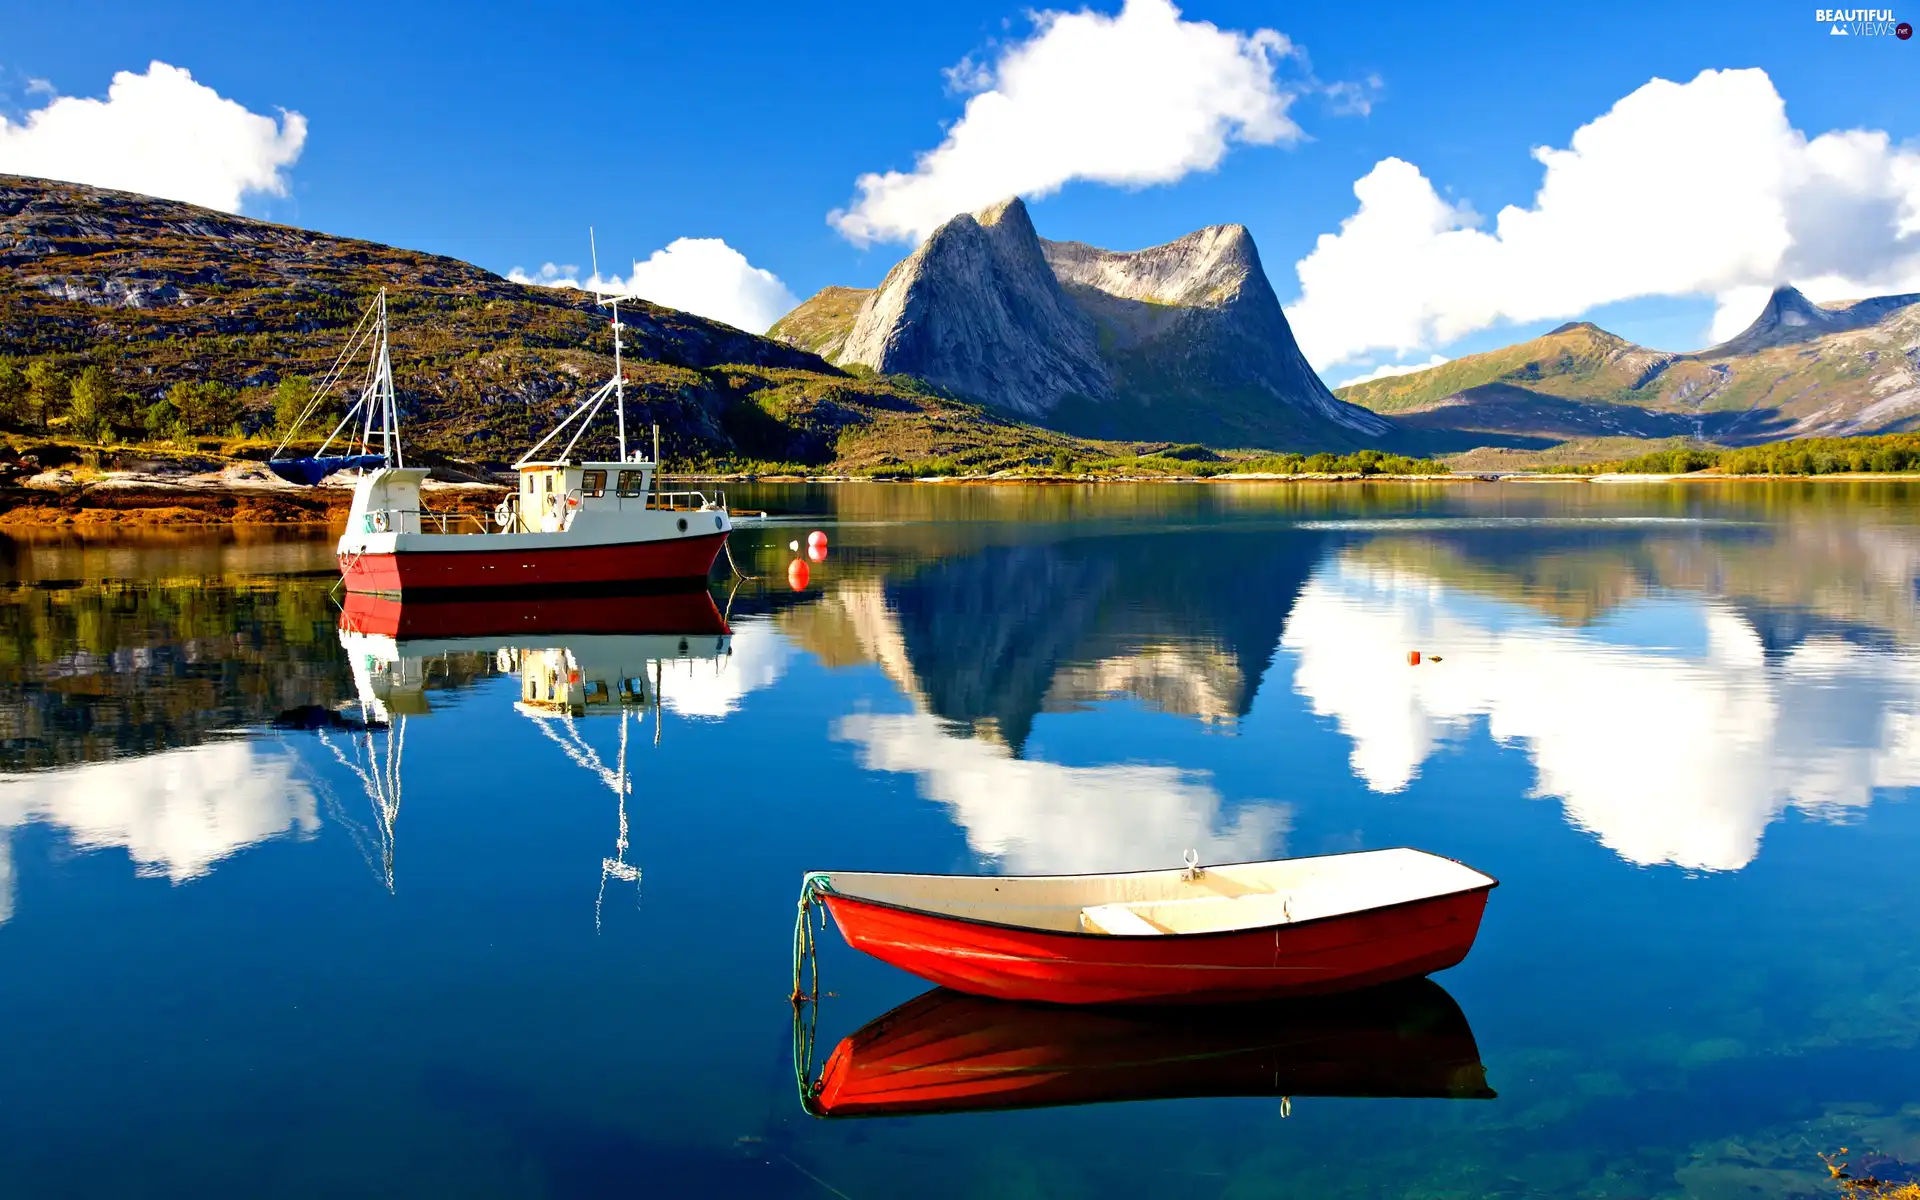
(1240, 932)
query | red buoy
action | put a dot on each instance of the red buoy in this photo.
(1413, 658)
(817, 551)
(816, 538)
(797, 575)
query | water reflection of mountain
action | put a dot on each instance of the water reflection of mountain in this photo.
(1186, 622)
(1793, 580)
(983, 641)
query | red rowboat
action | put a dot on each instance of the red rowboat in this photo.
(944, 1052)
(1243, 931)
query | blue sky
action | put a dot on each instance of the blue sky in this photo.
(477, 131)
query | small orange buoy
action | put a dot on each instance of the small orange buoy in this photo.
(817, 551)
(797, 575)
(1413, 658)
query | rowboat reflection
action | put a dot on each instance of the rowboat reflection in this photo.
(578, 657)
(945, 1052)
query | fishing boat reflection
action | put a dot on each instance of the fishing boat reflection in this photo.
(945, 1052)
(600, 656)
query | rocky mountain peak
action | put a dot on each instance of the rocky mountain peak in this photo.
(1206, 268)
(1789, 316)
(975, 308)
(1011, 212)
(1184, 340)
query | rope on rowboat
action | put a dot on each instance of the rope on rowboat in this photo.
(806, 1020)
(806, 1007)
(806, 958)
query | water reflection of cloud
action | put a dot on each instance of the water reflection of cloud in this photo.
(1680, 753)
(715, 686)
(1042, 817)
(176, 813)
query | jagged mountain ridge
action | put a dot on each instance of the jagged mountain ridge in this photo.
(1184, 341)
(976, 309)
(1799, 370)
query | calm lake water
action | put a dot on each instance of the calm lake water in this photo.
(296, 911)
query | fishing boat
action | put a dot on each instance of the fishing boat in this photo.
(944, 1052)
(573, 522)
(1295, 926)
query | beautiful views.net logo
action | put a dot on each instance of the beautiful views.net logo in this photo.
(1862, 22)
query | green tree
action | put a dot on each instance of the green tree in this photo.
(95, 407)
(46, 392)
(13, 393)
(205, 406)
(290, 400)
(162, 420)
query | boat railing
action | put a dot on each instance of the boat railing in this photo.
(442, 522)
(689, 500)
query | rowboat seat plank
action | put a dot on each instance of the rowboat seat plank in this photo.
(1119, 920)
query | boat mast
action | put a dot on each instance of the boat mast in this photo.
(619, 376)
(390, 436)
(619, 384)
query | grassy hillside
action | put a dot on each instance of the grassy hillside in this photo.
(1800, 370)
(822, 322)
(1579, 361)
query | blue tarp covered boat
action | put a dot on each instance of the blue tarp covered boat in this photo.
(309, 471)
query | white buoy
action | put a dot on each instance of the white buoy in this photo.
(794, 546)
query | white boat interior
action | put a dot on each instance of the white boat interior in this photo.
(1197, 900)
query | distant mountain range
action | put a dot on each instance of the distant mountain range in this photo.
(988, 348)
(1184, 341)
(1800, 370)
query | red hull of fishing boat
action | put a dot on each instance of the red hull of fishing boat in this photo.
(1332, 954)
(453, 570)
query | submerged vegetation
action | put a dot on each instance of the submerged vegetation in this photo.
(1856, 1186)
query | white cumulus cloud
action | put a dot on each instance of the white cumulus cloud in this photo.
(162, 133)
(703, 276)
(1140, 98)
(1389, 370)
(1041, 817)
(176, 813)
(1722, 739)
(1697, 188)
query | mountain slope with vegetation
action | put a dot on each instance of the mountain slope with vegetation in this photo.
(1799, 370)
(125, 319)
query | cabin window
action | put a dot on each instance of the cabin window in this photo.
(633, 483)
(593, 483)
(548, 476)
